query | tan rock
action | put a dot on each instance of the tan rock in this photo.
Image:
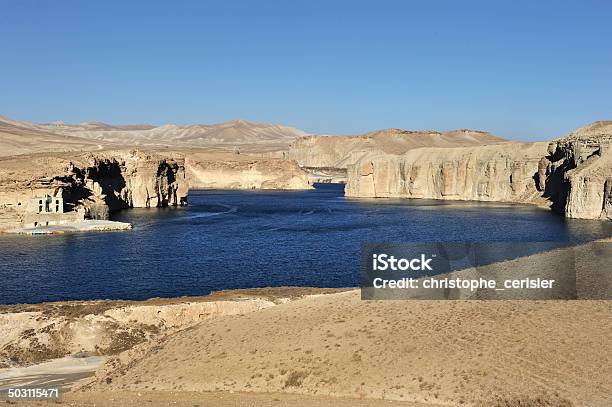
(502, 172)
(572, 175)
(581, 169)
(231, 171)
(342, 151)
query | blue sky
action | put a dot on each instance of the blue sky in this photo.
(520, 69)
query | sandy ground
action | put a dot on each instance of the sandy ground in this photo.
(311, 349)
(35, 333)
(316, 347)
(212, 399)
(446, 352)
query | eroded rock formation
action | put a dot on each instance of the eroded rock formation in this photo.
(91, 185)
(579, 172)
(573, 175)
(235, 171)
(86, 185)
(136, 179)
(488, 173)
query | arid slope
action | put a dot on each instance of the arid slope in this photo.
(447, 352)
(24, 138)
(341, 151)
(240, 134)
(19, 137)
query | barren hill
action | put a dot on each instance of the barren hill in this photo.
(25, 138)
(242, 134)
(18, 137)
(477, 353)
(341, 151)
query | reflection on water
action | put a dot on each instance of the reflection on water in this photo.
(234, 239)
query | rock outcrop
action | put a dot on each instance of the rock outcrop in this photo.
(104, 327)
(136, 179)
(91, 185)
(501, 172)
(578, 172)
(572, 175)
(72, 186)
(33, 333)
(236, 171)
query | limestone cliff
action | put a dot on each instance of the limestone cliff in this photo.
(578, 172)
(91, 185)
(572, 175)
(502, 172)
(86, 185)
(136, 179)
(235, 171)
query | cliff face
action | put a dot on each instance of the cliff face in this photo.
(501, 172)
(92, 184)
(233, 171)
(341, 151)
(572, 175)
(578, 172)
(136, 179)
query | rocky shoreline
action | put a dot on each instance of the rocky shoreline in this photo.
(67, 191)
(572, 175)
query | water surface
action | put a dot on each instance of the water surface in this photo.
(240, 239)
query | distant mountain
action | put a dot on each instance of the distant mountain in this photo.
(24, 138)
(17, 137)
(235, 133)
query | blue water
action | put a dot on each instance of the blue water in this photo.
(240, 239)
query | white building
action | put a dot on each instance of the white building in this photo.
(46, 204)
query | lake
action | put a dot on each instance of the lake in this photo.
(244, 239)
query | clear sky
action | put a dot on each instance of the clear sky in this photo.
(520, 69)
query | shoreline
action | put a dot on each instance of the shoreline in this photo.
(303, 345)
(272, 293)
(87, 225)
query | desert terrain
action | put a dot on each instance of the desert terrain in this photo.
(301, 346)
(334, 348)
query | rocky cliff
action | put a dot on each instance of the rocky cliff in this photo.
(236, 171)
(135, 179)
(101, 182)
(94, 183)
(578, 172)
(501, 172)
(342, 151)
(572, 175)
